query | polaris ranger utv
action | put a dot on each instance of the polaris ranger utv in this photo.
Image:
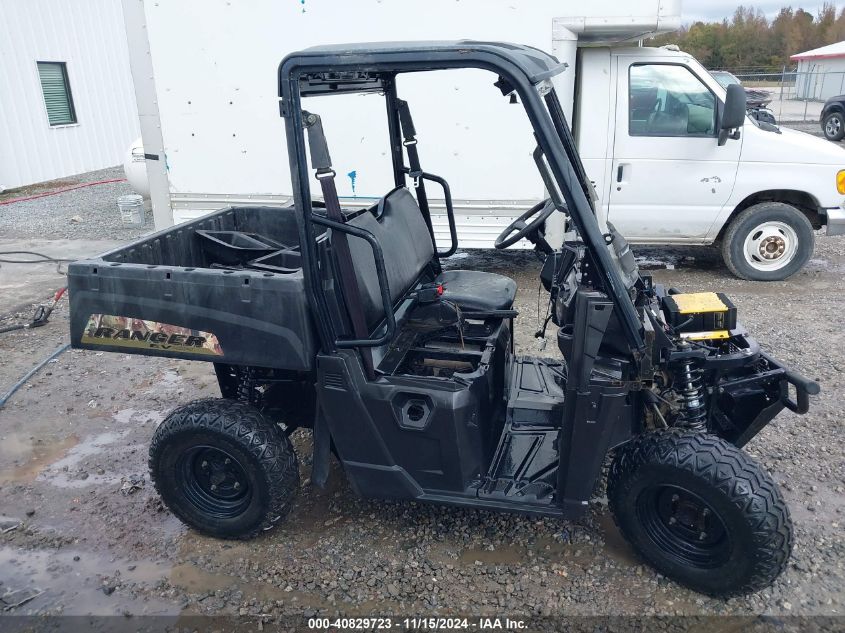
(344, 322)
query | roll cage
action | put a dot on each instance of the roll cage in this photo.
(361, 68)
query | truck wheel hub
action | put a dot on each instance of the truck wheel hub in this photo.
(770, 246)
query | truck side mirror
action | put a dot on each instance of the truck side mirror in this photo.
(733, 114)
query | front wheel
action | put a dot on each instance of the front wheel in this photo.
(701, 511)
(223, 469)
(769, 241)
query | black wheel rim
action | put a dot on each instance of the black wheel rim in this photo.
(214, 481)
(684, 526)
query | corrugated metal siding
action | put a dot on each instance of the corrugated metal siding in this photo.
(89, 36)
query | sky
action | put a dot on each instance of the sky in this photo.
(716, 10)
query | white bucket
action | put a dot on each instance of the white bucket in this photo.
(131, 208)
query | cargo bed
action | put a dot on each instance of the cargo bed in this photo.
(226, 288)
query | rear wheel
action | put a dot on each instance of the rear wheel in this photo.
(700, 511)
(769, 241)
(223, 469)
(834, 126)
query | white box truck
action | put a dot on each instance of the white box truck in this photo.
(645, 120)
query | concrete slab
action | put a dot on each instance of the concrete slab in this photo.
(791, 110)
(21, 285)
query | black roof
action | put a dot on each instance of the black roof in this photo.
(536, 64)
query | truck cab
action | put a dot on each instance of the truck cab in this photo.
(647, 125)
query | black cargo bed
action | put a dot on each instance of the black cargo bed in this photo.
(227, 288)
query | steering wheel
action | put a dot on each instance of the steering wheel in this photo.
(523, 228)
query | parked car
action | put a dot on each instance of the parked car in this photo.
(757, 100)
(833, 118)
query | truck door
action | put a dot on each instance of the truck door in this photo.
(669, 176)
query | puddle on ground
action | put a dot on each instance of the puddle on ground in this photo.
(64, 472)
(30, 455)
(77, 586)
(615, 545)
(545, 549)
(138, 417)
(57, 461)
(195, 580)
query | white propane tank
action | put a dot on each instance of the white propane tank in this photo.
(135, 168)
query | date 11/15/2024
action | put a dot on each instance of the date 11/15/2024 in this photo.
(417, 623)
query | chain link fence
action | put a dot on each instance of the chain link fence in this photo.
(793, 95)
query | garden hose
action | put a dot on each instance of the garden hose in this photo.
(40, 317)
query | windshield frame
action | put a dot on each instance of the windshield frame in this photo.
(544, 113)
(558, 146)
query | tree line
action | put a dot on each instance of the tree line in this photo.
(749, 42)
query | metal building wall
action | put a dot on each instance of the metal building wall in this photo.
(88, 35)
(820, 79)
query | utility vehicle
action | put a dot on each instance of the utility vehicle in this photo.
(345, 322)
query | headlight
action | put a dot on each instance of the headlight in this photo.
(840, 182)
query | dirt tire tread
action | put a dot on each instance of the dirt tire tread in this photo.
(729, 470)
(248, 428)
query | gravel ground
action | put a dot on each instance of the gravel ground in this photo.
(810, 127)
(80, 521)
(87, 213)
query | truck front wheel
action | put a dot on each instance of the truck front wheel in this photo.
(769, 241)
(223, 469)
(700, 511)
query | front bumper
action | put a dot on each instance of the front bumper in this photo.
(835, 221)
(749, 389)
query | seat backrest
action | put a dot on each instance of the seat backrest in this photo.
(669, 123)
(401, 231)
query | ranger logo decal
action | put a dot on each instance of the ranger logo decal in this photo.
(121, 331)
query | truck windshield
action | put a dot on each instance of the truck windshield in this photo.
(724, 78)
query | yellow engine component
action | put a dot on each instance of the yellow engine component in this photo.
(699, 302)
(706, 336)
(700, 316)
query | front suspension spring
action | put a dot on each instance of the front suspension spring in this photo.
(689, 381)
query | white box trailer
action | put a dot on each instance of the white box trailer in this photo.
(646, 122)
(205, 77)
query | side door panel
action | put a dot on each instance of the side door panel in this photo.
(669, 177)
